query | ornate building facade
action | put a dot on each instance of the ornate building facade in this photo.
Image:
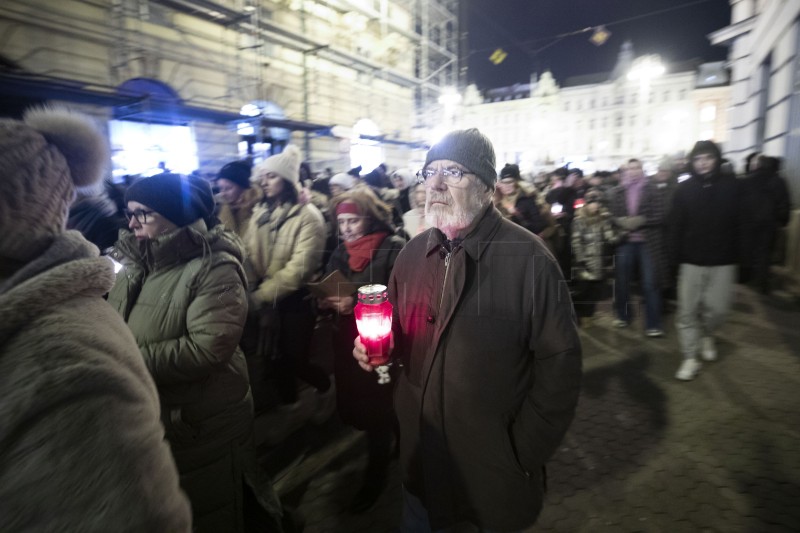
(337, 77)
(600, 121)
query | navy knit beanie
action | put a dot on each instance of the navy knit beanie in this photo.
(178, 199)
(469, 148)
(237, 172)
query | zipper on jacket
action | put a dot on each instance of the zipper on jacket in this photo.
(444, 281)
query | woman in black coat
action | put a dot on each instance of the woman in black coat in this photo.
(365, 256)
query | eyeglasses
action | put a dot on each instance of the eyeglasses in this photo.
(451, 176)
(139, 214)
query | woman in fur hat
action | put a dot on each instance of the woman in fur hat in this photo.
(285, 244)
(520, 203)
(182, 293)
(81, 444)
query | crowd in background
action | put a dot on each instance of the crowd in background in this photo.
(215, 286)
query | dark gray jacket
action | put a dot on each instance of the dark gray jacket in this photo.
(491, 375)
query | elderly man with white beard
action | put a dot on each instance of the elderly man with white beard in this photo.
(490, 358)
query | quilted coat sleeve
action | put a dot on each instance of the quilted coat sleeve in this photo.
(556, 348)
(214, 321)
(305, 260)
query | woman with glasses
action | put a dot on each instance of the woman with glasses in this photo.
(520, 203)
(366, 255)
(182, 293)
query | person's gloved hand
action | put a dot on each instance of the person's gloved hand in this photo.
(636, 222)
(623, 222)
(630, 223)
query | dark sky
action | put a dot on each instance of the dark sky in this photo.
(521, 27)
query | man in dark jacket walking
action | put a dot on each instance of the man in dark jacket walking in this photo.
(485, 331)
(706, 224)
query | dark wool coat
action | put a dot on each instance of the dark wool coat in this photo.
(81, 444)
(183, 296)
(491, 371)
(654, 207)
(707, 221)
(360, 400)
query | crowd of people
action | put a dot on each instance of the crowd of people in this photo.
(144, 386)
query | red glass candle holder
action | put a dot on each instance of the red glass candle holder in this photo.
(374, 322)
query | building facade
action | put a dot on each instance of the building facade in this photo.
(600, 121)
(335, 76)
(764, 44)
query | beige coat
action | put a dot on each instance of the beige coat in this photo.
(285, 248)
(236, 218)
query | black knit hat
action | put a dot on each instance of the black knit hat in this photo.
(237, 172)
(510, 171)
(469, 148)
(178, 199)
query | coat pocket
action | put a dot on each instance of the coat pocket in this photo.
(510, 447)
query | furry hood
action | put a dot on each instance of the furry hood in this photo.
(69, 267)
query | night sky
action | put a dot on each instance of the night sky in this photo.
(521, 27)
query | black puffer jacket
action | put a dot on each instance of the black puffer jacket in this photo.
(707, 220)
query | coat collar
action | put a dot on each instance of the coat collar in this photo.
(164, 251)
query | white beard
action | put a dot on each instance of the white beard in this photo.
(452, 218)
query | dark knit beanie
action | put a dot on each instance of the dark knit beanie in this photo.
(469, 148)
(705, 147)
(510, 171)
(178, 199)
(237, 172)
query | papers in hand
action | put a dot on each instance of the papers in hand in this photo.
(334, 284)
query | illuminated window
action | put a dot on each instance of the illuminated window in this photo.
(708, 113)
(146, 149)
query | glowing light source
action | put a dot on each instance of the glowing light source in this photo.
(374, 322)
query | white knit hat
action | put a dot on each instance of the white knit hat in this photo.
(42, 159)
(405, 174)
(285, 164)
(343, 180)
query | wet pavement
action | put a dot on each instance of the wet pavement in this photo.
(646, 452)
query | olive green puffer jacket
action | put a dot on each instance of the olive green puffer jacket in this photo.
(183, 296)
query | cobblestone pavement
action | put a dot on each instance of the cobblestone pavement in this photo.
(646, 453)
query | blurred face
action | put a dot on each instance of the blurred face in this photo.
(336, 190)
(398, 181)
(591, 206)
(633, 170)
(351, 227)
(272, 184)
(419, 196)
(507, 186)
(146, 223)
(229, 192)
(452, 208)
(704, 164)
